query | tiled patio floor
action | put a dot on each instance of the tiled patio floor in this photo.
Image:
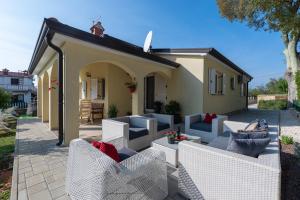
(40, 166)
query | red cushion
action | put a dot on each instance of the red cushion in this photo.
(207, 118)
(108, 149)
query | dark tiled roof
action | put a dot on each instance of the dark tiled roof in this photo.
(52, 26)
(15, 74)
(211, 51)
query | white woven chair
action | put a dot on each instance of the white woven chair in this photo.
(206, 136)
(160, 119)
(92, 175)
(120, 127)
(211, 172)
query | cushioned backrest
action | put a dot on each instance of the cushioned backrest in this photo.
(138, 122)
(122, 119)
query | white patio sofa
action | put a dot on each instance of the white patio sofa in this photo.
(137, 131)
(162, 123)
(211, 172)
(92, 175)
(207, 132)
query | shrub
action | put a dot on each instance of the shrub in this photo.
(112, 111)
(5, 98)
(272, 104)
(287, 139)
(173, 108)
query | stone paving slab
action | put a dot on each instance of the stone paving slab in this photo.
(40, 166)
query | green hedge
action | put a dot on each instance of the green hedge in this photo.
(272, 104)
(296, 105)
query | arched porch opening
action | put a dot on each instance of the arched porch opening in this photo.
(45, 97)
(39, 97)
(53, 97)
(104, 83)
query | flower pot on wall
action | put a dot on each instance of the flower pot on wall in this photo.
(132, 89)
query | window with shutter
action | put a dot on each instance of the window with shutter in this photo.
(83, 89)
(94, 88)
(212, 81)
(224, 84)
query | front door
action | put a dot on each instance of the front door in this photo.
(150, 83)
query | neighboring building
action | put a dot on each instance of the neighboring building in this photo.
(96, 66)
(19, 84)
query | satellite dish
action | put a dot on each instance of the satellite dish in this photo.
(147, 43)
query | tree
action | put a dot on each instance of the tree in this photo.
(271, 15)
(274, 86)
(5, 98)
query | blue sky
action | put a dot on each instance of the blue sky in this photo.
(175, 23)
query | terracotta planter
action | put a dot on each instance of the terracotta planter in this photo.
(132, 89)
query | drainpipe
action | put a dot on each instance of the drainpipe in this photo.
(60, 90)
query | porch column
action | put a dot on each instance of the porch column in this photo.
(71, 101)
(39, 98)
(53, 99)
(138, 97)
(45, 98)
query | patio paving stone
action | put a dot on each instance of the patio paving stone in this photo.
(41, 164)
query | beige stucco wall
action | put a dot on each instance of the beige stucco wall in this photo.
(231, 100)
(186, 84)
(77, 55)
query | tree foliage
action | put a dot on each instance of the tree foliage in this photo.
(275, 15)
(5, 98)
(274, 86)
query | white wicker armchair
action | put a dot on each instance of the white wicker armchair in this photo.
(215, 130)
(123, 127)
(162, 123)
(92, 175)
(211, 172)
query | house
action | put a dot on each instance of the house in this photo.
(19, 84)
(72, 64)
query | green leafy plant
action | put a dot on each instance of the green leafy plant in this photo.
(112, 111)
(287, 139)
(272, 104)
(297, 81)
(5, 98)
(173, 108)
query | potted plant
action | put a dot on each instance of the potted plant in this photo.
(171, 135)
(112, 111)
(173, 108)
(158, 106)
(131, 86)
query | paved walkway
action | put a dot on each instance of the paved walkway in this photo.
(40, 166)
(290, 124)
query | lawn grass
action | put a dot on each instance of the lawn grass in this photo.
(7, 144)
(26, 117)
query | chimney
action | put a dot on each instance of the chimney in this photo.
(97, 29)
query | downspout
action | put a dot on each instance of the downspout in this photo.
(60, 90)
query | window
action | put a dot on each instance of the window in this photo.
(217, 82)
(243, 89)
(101, 88)
(14, 81)
(232, 83)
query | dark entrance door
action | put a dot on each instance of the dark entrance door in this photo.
(150, 92)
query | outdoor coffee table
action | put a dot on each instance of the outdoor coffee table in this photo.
(171, 150)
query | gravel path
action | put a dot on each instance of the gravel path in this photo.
(290, 124)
